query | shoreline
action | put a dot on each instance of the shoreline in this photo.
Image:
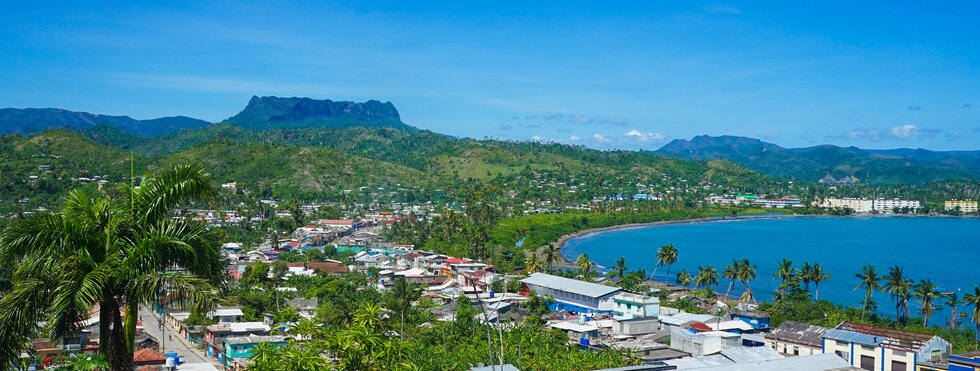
(563, 240)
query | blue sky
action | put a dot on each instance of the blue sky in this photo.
(601, 74)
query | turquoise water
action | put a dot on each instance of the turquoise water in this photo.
(947, 250)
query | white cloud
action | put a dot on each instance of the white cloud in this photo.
(600, 137)
(643, 137)
(574, 138)
(904, 131)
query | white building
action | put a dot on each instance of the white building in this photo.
(574, 295)
(627, 305)
(798, 339)
(887, 206)
(875, 348)
(859, 205)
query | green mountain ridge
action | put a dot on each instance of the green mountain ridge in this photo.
(34, 120)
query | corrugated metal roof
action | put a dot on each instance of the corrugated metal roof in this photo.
(799, 333)
(589, 289)
(750, 354)
(854, 337)
(816, 362)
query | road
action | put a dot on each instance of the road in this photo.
(172, 340)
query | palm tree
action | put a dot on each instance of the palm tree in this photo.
(928, 293)
(818, 276)
(953, 301)
(666, 256)
(683, 278)
(746, 273)
(110, 253)
(584, 263)
(730, 272)
(404, 293)
(869, 281)
(784, 271)
(903, 297)
(806, 275)
(894, 283)
(551, 256)
(533, 265)
(620, 268)
(707, 277)
(973, 300)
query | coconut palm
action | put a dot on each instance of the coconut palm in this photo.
(707, 277)
(111, 253)
(973, 300)
(533, 265)
(584, 263)
(927, 293)
(953, 301)
(903, 297)
(869, 281)
(666, 256)
(893, 282)
(404, 294)
(806, 275)
(683, 278)
(730, 272)
(551, 256)
(746, 273)
(784, 272)
(620, 268)
(817, 276)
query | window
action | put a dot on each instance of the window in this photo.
(843, 355)
(898, 366)
(796, 350)
(898, 353)
(867, 348)
(868, 362)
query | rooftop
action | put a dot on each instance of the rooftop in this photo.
(588, 289)
(799, 333)
(891, 338)
(255, 339)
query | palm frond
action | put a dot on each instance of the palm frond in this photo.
(157, 197)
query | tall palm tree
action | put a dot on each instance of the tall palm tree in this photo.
(620, 268)
(973, 300)
(746, 273)
(730, 272)
(707, 277)
(953, 301)
(683, 278)
(818, 276)
(666, 256)
(784, 271)
(111, 253)
(533, 265)
(893, 283)
(903, 298)
(551, 256)
(404, 294)
(869, 281)
(927, 293)
(806, 275)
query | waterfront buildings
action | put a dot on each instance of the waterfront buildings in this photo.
(876, 348)
(864, 205)
(628, 305)
(573, 295)
(887, 206)
(798, 339)
(963, 206)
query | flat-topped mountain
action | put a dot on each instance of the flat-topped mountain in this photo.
(830, 163)
(276, 112)
(34, 120)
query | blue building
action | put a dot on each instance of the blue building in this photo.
(758, 320)
(969, 361)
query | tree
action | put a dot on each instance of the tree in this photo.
(731, 273)
(707, 277)
(405, 293)
(806, 275)
(620, 268)
(683, 278)
(927, 293)
(899, 289)
(586, 265)
(533, 265)
(953, 301)
(869, 281)
(973, 300)
(666, 256)
(784, 272)
(817, 276)
(112, 253)
(746, 273)
(551, 256)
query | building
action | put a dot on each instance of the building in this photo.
(876, 348)
(227, 315)
(572, 295)
(242, 347)
(798, 339)
(964, 206)
(777, 203)
(969, 361)
(758, 320)
(859, 205)
(683, 319)
(627, 305)
(703, 343)
(886, 206)
(216, 334)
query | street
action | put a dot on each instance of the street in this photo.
(171, 341)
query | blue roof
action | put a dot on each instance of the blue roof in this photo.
(854, 337)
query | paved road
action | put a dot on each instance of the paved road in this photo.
(171, 340)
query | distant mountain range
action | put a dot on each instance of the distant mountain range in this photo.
(35, 120)
(312, 118)
(829, 163)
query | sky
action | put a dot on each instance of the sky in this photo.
(604, 74)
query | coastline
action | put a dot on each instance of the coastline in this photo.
(568, 263)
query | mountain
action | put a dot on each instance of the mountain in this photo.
(34, 120)
(829, 163)
(276, 112)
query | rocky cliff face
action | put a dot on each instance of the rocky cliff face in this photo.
(276, 112)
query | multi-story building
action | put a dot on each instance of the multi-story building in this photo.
(859, 205)
(876, 348)
(579, 296)
(964, 206)
(627, 305)
(887, 206)
(798, 339)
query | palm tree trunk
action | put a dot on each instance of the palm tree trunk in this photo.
(864, 308)
(105, 320)
(119, 357)
(667, 277)
(816, 292)
(131, 315)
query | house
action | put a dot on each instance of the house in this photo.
(703, 343)
(638, 326)
(215, 334)
(327, 267)
(627, 305)
(969, 361)
(734, 326)
(242, 347)
(758, 320)
(577, 330)
(876, 348)
(572, 295)
(149, 357)
(798, 339)
(817, 362)
(146, 341)
(684, 319)
(229, 314)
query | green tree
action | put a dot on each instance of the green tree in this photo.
(404, 294)
(746, 273)
(551, 256)
(730, 272)
(666, 256)
(620, 268)
(683, 278)
(817, 276)
(927, 293)
(784, 273)
(869, 281)
(973, 300)
(898, 289)
(111, 253)
(707, 277)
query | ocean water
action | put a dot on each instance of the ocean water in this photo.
(946, 250)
